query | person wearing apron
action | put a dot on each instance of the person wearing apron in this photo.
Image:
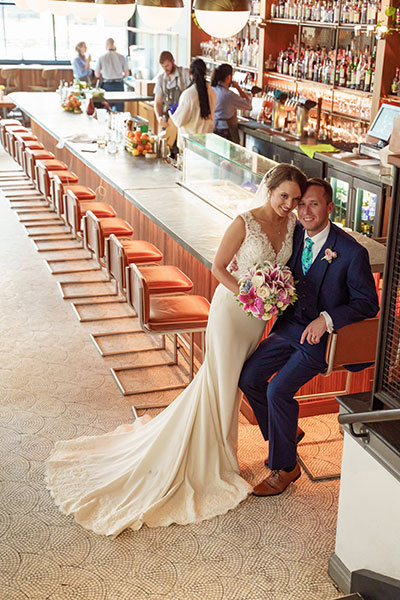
(228, 103)
(169, 86)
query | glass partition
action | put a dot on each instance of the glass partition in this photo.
(222, 173)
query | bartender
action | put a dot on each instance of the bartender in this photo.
(228, 103)
(169, 86)
(111, 68)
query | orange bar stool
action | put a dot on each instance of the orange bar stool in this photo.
(21, 145)
(22, 135)
(78, 202)
(42, 170)
(164, 315)
(59, 189)
(31, 156)
(8, 131)
(96, 230)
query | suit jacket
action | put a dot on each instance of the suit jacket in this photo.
(345, 287)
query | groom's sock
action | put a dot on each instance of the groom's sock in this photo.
(288, 469)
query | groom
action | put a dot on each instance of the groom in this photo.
(335, 287)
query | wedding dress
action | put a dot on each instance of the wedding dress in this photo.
(181, 466)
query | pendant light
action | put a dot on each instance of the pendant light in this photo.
(22, 4)
(160, 14)
(60, 8)
(222, 18)
(38, 5)
(116, 12)
(84, 9)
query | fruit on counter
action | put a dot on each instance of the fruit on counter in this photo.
(139, 144)
(72, 104)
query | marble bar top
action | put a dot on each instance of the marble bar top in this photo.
(152, 185)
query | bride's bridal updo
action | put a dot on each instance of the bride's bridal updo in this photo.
(276, 176)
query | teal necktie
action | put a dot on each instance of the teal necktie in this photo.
(307, 257)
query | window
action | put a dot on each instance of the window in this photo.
(41, 37)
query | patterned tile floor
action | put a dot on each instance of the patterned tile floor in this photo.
(55, 385)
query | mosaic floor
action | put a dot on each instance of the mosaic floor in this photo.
(55, 385)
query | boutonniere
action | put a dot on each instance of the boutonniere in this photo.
(329, 255)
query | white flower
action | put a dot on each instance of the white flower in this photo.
(257, 280)
(279, 304)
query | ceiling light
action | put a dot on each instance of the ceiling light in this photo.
(84, 9)
(160, 14)
(222, 18)
(60, 8)
(116, 12)
(38, 5)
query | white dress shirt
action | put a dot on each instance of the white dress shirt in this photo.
(319, 240)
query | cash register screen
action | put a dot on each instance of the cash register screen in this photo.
(382, 125)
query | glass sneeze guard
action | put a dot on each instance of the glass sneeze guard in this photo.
(223, 174)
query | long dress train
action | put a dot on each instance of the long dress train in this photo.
(181, 466)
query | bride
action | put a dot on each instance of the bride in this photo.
(181, 466)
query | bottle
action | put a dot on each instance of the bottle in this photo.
(395, 83)
(90, 107)
(274, 8)
(397, 20)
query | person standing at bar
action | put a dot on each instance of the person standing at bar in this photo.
(81, 64)
(228, 103)
(169, 86)
(196, 108)
(111, 68)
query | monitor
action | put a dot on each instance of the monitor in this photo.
(382, 126)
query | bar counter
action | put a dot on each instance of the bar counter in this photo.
(146, 193)
(151, 185)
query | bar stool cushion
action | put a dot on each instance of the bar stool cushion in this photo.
(166, 279)
(28, 137)
(141, 252)
(54, 165)
(82, 192)
(33, 145)
(117, 226)
(16, 128)
(4, 122)
(178, 312)
(64, 176)
(101, 210)
(41, 154)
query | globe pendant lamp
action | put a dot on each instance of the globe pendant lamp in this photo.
(222, 18)
(84, 9)
(22, 4)
(38, 5)
(60, 8)
(116, 12)
(160, 14)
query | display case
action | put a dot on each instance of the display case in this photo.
(222, 173)
(358, 203)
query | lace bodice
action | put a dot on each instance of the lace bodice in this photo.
(256, 246)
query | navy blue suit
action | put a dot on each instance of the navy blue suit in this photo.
(345, 289)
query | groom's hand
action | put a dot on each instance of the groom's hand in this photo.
(314, 331)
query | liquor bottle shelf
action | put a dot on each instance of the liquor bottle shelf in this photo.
(326, 25)
(334, 88)
(226, 62)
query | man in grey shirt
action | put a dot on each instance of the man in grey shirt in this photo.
(111, 68)
(169, 86)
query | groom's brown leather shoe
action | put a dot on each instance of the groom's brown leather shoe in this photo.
(299, 436)
(277, 482)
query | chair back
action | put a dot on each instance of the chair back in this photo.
(115, 260)
(49, 75)
(91, 230)
(138, 294)
(12, 79)
(352, 344)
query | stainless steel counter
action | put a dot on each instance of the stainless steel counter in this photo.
(149, 184)
(343, 162)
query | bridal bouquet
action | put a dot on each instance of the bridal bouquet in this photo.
(266, 290)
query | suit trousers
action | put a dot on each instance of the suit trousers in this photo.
(273, 401)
